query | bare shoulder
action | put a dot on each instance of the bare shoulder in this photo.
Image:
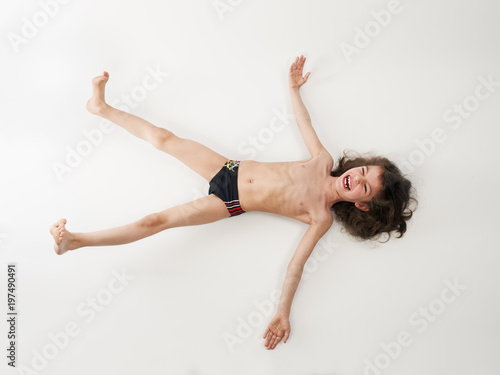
(325, 157)
(323, 220)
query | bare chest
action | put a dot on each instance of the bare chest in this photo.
(292, 189)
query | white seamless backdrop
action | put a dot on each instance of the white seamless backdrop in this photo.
(416, 81)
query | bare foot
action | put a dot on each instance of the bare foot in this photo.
(97, 103)
(62, 237)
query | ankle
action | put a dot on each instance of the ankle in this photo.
(76, 242)
(102, 109)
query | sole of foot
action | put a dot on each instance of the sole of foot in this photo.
(62, 237)
(96, 104)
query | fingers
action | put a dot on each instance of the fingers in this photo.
(287, 334)
(274, 335)
(267, 343)
(276, 340)
(272, 342)
(298, 63)
(265, 333)
(276, 331)
(269, 335)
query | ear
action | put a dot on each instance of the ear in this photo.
(361, 206)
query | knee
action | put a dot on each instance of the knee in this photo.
(152, 221)
(161, 138)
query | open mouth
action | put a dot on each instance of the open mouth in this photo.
(347, 182)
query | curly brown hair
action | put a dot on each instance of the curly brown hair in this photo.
(388, 211)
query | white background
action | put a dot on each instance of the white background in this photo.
(194, 286)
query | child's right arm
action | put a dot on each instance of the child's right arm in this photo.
(279, 326)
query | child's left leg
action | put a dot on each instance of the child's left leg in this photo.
(200, 211)
(196, 156)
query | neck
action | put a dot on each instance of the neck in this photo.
(332, 195)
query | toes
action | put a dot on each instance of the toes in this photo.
(102, 78)
(58, 234)
(60, 222)
(57, 239)
(97, 80)
(58, 230)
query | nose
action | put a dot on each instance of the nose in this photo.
(358, 179)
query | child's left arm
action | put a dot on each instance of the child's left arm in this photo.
(296, 80)
(279, 327)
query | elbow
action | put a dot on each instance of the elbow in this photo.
(295, 269)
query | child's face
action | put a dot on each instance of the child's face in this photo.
(363, 183)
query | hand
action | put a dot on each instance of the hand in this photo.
(278, 328)
(295, 78)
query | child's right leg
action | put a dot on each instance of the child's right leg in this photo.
(200, 211)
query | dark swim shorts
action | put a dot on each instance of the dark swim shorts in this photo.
(225, 186)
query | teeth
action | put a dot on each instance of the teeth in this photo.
(347, 183)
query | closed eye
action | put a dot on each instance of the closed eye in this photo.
(363, 170)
